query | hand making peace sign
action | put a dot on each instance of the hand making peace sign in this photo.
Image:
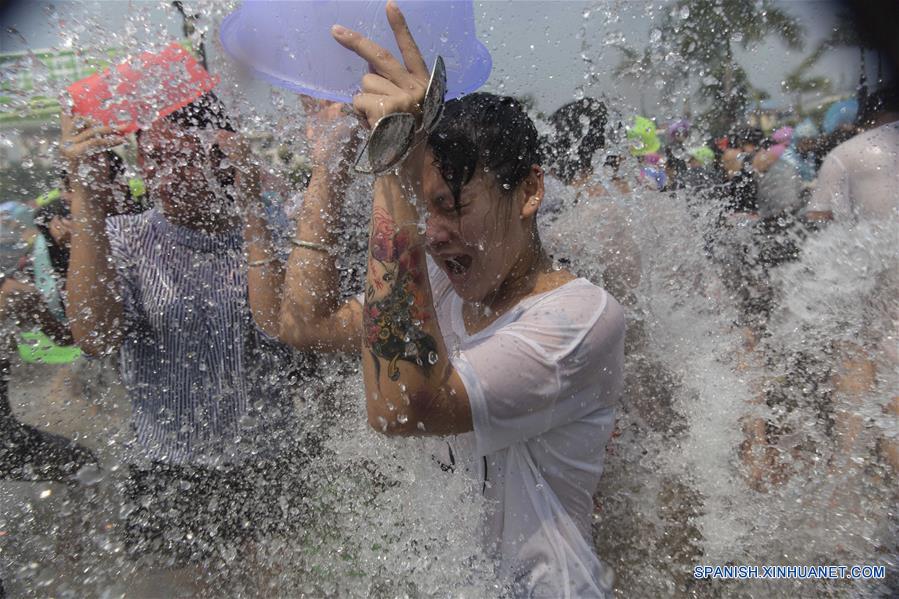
(391, 87)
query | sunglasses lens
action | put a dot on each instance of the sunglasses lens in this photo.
(390, 140)
(432, 105)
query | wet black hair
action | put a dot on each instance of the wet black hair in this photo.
(206, 112)
(484, 131)
(747, 135)
(579, 130)
(883, 100)
(59, 255)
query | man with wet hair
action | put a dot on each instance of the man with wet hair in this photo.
(177, 291)
(578, 133)
(569, 150)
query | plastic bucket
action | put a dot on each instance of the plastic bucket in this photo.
(289, 43)
(142, 90)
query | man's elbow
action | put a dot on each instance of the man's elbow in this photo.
(269, 326)
(298, 335)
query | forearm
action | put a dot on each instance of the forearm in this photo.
(309, 317)
(406, 363)
(265, 274)
(94, 307)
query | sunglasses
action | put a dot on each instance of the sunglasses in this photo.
(393, 136)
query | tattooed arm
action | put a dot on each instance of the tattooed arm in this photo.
(410, 385)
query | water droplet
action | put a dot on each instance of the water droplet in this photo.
(89, 475)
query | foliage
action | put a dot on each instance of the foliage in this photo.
(694, 43)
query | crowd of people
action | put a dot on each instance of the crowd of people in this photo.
(466, 326)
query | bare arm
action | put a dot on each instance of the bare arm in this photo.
(411, 386)
(265, 276)
(312, 315)
(94, 306)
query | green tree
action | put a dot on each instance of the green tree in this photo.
(695, 42)
(842, 35)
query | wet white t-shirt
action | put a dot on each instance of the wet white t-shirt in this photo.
(859, 179)
(543, 382)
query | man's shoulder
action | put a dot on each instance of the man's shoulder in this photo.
(872, 139)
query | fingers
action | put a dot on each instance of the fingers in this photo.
(91, 132)
(380, 59)
(325, 109)
(371, 106)
(311, 105)
(405, 42)
(92, 146)
(375, 84)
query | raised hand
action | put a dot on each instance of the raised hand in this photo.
(391, 86)
(235, 149)
(84, 146)
(84, 142)
(330, 132)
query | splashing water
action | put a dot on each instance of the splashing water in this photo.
(379, 517)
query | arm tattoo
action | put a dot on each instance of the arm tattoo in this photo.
(395, 305)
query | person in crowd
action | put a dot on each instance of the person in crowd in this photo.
(737, 162)
(612, 170)
(802, 151)
(676, 155)
(857, 185)
(177, 292)
(466, 330)
(857, 180)
(841, 123)
(699, 172)
(578, 132)
(34, 298)
(568, 152)
(779, 185)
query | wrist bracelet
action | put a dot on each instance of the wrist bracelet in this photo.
(311, 245)
(262, 262)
